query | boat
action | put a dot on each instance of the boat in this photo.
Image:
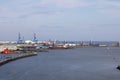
(32, 48)
(118, 67)
(7, 51)
(58, 47)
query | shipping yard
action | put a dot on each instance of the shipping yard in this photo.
(59, 40)
(70, 55)
(11, 51)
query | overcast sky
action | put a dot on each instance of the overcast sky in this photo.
(60, 19)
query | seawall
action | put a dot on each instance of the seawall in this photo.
(2, 62)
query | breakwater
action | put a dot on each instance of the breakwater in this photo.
(21, 55)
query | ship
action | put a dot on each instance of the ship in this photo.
(7, 51)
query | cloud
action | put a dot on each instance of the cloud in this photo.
(65, 3)
(109, 7)
(111, 12)
(26, 8)
(39, 13)
(6, 13)
(111, 3)
(22, 8)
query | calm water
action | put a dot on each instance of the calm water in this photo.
(71, 64)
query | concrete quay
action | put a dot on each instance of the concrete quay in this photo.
(21, 55)
(23, 47)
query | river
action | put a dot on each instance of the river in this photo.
(69, 64)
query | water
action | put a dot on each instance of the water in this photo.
(71, 64)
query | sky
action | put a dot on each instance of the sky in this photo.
(79, 20)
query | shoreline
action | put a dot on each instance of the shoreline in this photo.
(10, 59)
